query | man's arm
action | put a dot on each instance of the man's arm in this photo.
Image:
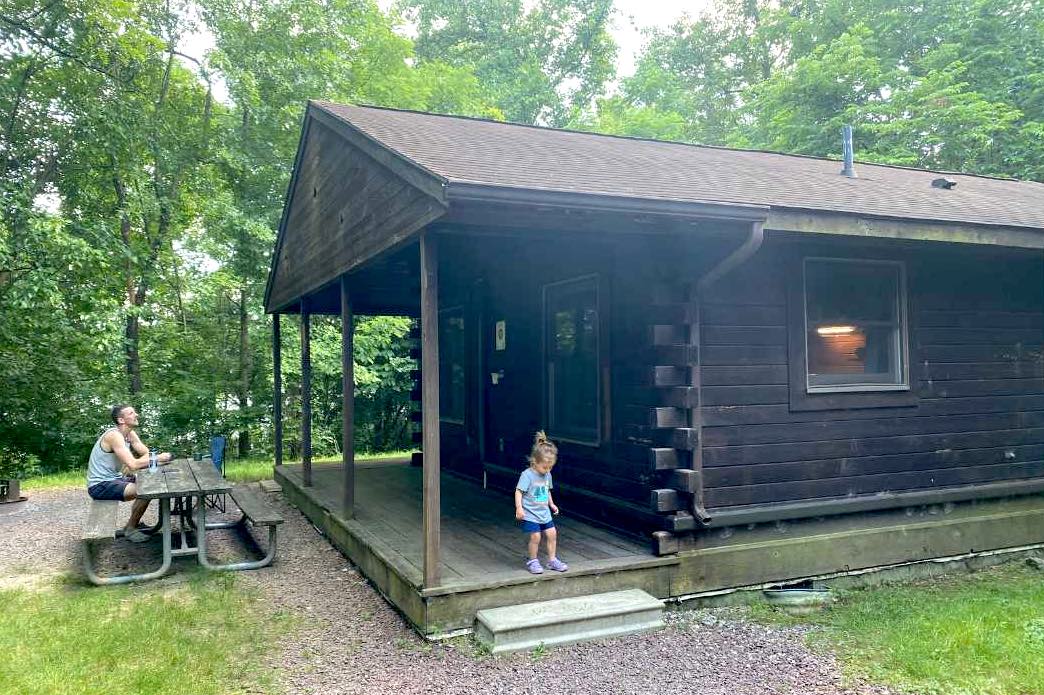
(136, 444)
(123, 454)
(140, 448)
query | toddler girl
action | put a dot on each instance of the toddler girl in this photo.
(534, 505)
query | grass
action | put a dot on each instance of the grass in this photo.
(236, 470)
(56, 480)
(981, 633)
(204, 636)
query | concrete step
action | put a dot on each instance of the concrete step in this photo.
(270, 486)
(568, 620)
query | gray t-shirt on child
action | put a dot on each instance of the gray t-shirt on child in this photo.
(534, 489)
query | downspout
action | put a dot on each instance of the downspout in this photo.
(730, 262)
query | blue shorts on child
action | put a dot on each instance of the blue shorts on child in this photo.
(534, 527)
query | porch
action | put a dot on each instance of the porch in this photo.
(481, 559)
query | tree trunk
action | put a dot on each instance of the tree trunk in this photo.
(133, 360)
(245, 369)
(130, 331)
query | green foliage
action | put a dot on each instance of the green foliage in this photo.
(139, 275)
(616, 116)
(539, 652)
(938, 84)
(17, 465)
(541, 62)
(138, 213)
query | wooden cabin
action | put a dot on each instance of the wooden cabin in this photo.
(757, 369)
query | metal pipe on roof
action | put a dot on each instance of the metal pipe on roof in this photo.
(847, 152)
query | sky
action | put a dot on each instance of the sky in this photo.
(633, 15)
(631, 18)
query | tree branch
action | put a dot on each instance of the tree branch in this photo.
(61, 51)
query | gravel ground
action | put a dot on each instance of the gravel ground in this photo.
(350, 641)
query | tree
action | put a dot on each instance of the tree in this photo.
(540, 65)
(950, 85)
(273, 58)
(96, 113)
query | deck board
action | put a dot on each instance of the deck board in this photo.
(480, 538)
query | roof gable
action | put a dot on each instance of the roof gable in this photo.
(349, 200)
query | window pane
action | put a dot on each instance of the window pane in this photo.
(853, 332)
(452, 388)
(572, 369)
(840, 292)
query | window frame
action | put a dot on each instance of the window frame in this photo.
(805, 396)
(547, 409)
(443, 373)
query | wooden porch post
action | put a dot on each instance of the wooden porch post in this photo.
(429, 301)
(277, 388)
(306, 394)
(347, 400)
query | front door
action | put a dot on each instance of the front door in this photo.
(492, 390)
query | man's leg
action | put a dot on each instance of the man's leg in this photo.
(139, 507)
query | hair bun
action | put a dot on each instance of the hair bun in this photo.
(543, 448)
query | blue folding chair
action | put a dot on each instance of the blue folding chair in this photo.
(217, 457)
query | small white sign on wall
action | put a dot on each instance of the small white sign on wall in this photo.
(500, 336)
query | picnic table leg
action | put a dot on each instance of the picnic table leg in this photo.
(187, 515)
(201, 522)
(88, 556)
(184, 519)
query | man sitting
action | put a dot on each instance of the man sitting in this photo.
(112, 455)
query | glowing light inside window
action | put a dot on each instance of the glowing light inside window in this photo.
(835, 330)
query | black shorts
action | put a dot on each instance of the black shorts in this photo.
(110, 489)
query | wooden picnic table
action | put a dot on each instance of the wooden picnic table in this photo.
(181, 478)
(188, 483)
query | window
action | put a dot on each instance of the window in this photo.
(452, 388)
(571, 353)
(855, 326)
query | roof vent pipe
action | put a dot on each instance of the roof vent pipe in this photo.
(846, 146)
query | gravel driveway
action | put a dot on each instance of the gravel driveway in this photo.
(352, 641)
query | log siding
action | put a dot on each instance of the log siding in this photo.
(977, 417)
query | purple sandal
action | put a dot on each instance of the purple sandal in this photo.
(534, 566)
(557, 565)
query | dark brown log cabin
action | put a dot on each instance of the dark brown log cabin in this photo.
(717, 339)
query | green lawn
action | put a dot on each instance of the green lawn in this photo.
(206, 635)
(236, 470)
(981, 633)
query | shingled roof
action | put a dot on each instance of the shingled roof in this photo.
(510, 156)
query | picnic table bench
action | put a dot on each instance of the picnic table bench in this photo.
(188, 483)
(256, 512)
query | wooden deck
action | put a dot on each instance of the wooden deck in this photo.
(482, 549)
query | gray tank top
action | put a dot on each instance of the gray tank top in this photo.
(103, 465)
